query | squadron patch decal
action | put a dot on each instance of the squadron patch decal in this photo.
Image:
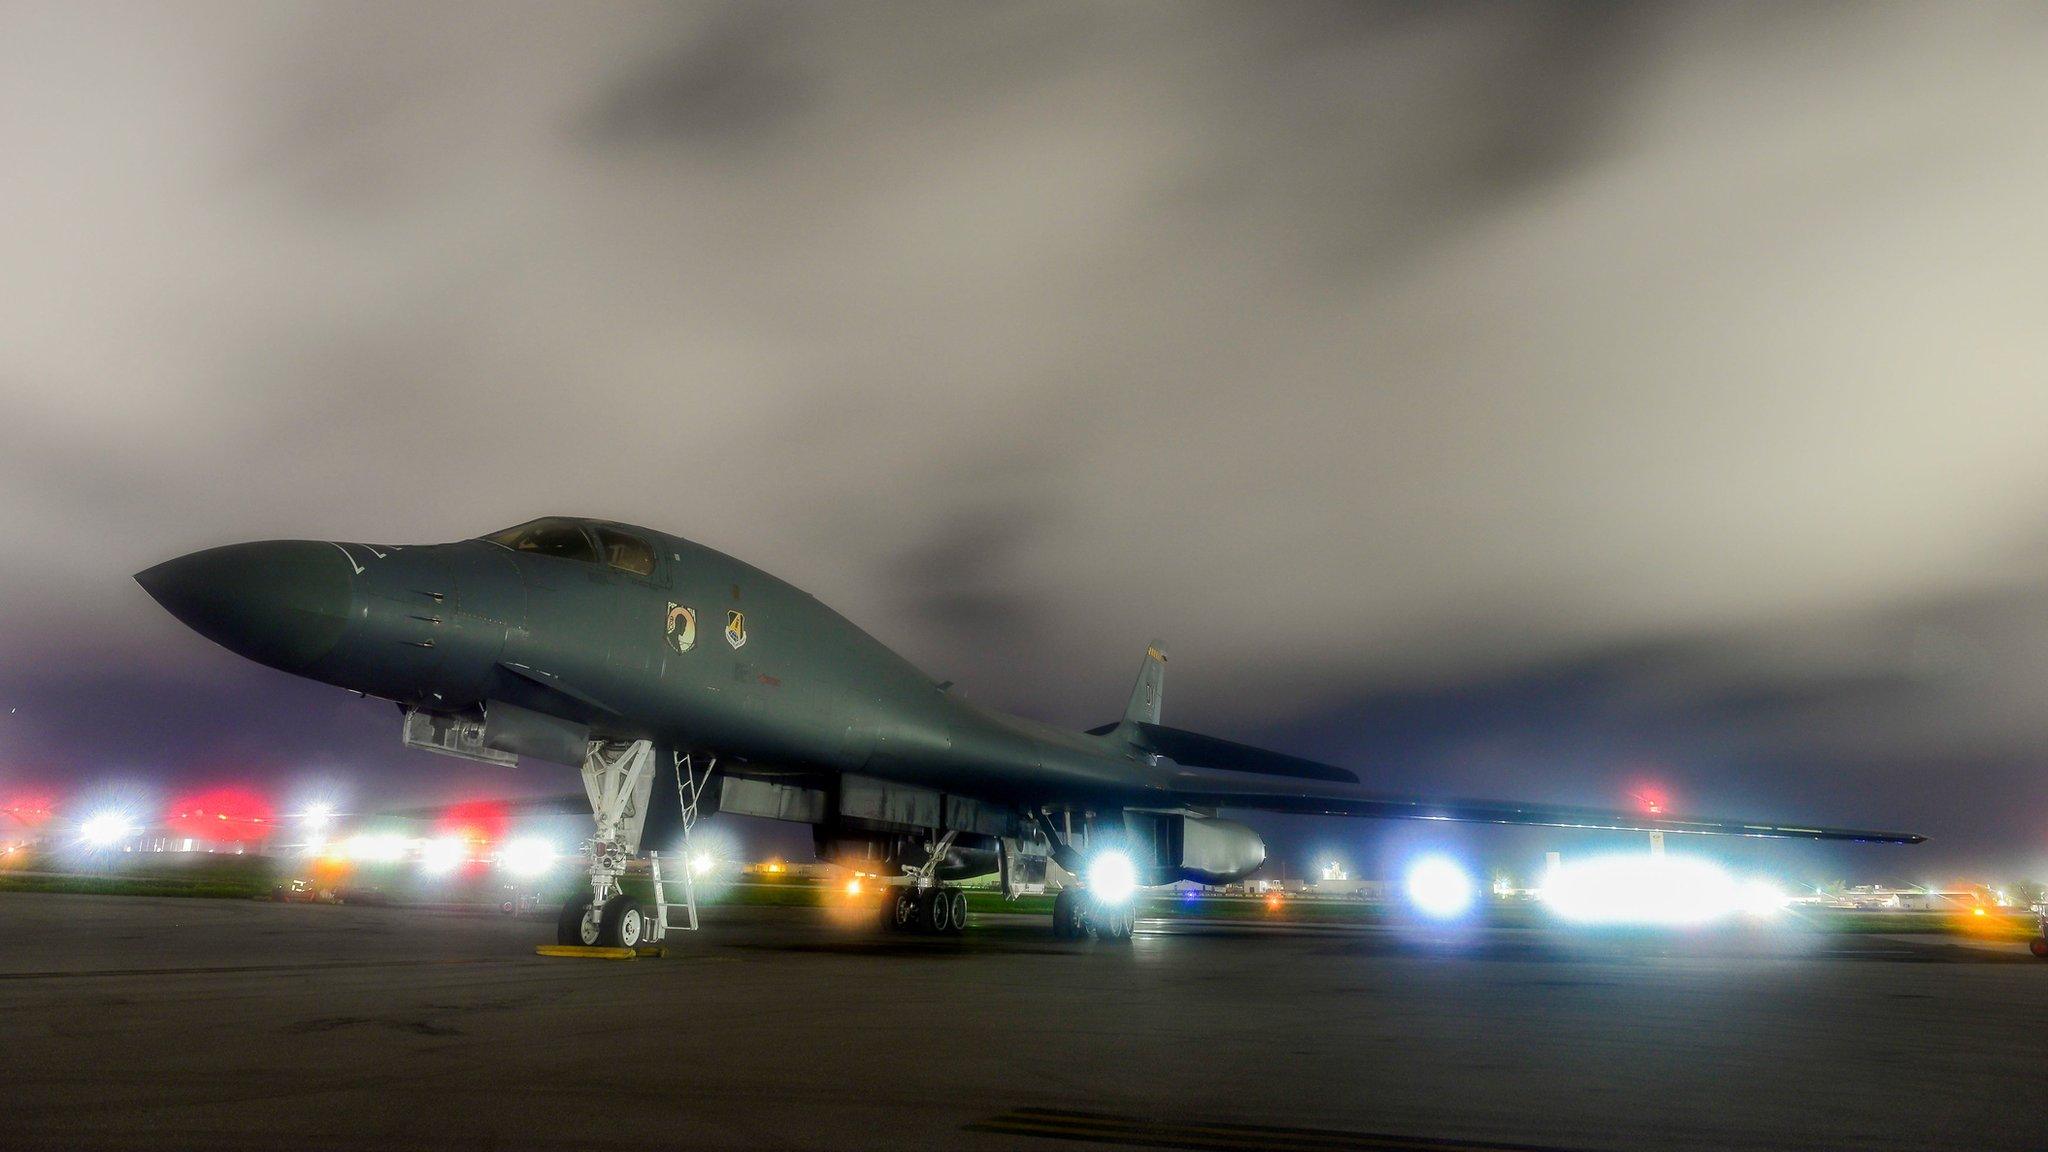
(682, 627)
(735, 628)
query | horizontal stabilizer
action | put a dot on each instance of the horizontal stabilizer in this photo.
(1194, 750)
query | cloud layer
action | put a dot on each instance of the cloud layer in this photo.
(1671, 375)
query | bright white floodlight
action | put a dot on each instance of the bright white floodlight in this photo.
(1762, 898)
(106, 828)
(1112, 877)
(529, 856)
(1439, 888)
(1667, 890)
(441, 856)
(317, 816)
(702, 863)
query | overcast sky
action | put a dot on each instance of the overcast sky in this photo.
(1500, 399)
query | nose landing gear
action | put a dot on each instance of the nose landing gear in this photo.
(619, 779)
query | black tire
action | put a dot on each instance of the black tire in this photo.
(958, 900)
(622, 924)
(938, 911)
(1126, 923)
(2039, 946)
(569, 925)
(1063, 915)
(1111, 923)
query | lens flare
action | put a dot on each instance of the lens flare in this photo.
(442, 854)
(1655, 890)
(527, 856)
(1440, 888)
(105, 828)
(1112, 877)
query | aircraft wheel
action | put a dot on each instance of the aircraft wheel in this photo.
(2039, 946)
(576, 922)
(938, 911)
(908, 914)
(958, 900)
(621, 924)
(1112, 924)
(1062, 916)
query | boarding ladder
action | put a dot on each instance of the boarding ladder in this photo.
(690, 782)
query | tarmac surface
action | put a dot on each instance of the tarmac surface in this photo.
(165, 1023)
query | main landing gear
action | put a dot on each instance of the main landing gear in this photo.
(937, 911)
(922, 904)
(1076, 914)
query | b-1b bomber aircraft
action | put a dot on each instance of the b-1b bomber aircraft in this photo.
(635, 654)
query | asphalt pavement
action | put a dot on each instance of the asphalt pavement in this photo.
(132, 1022)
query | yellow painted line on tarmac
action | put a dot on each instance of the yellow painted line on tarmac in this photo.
(1103, 1128)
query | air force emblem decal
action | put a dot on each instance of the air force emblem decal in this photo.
(735, 628)
(682, 627)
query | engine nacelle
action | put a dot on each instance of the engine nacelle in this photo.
(1171, 846)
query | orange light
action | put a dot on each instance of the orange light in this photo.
(1980, 911)
(1273, 903)
(853, 886)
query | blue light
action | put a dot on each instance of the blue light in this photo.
(1440, 888)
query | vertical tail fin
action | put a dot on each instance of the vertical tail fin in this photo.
(1144, 706)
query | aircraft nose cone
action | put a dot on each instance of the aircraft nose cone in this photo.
(284, 603)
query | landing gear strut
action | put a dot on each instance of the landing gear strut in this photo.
(618, 778)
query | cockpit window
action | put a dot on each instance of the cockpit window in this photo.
(626, 552)
(563, 538)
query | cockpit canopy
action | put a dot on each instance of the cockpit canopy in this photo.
(582, 541)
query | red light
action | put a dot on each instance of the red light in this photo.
(221, 814)
(477, 821)
(29, 811)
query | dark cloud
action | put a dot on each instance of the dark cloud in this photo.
(1498, 395)
(733, 81)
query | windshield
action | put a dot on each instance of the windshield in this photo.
(553, 537)
(626, 552)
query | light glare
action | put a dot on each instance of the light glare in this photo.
(527, 856)
(1112, 876)
(106, 828)
(1439, 888)
(441, 856)
(375, 848)
(1657, 890)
